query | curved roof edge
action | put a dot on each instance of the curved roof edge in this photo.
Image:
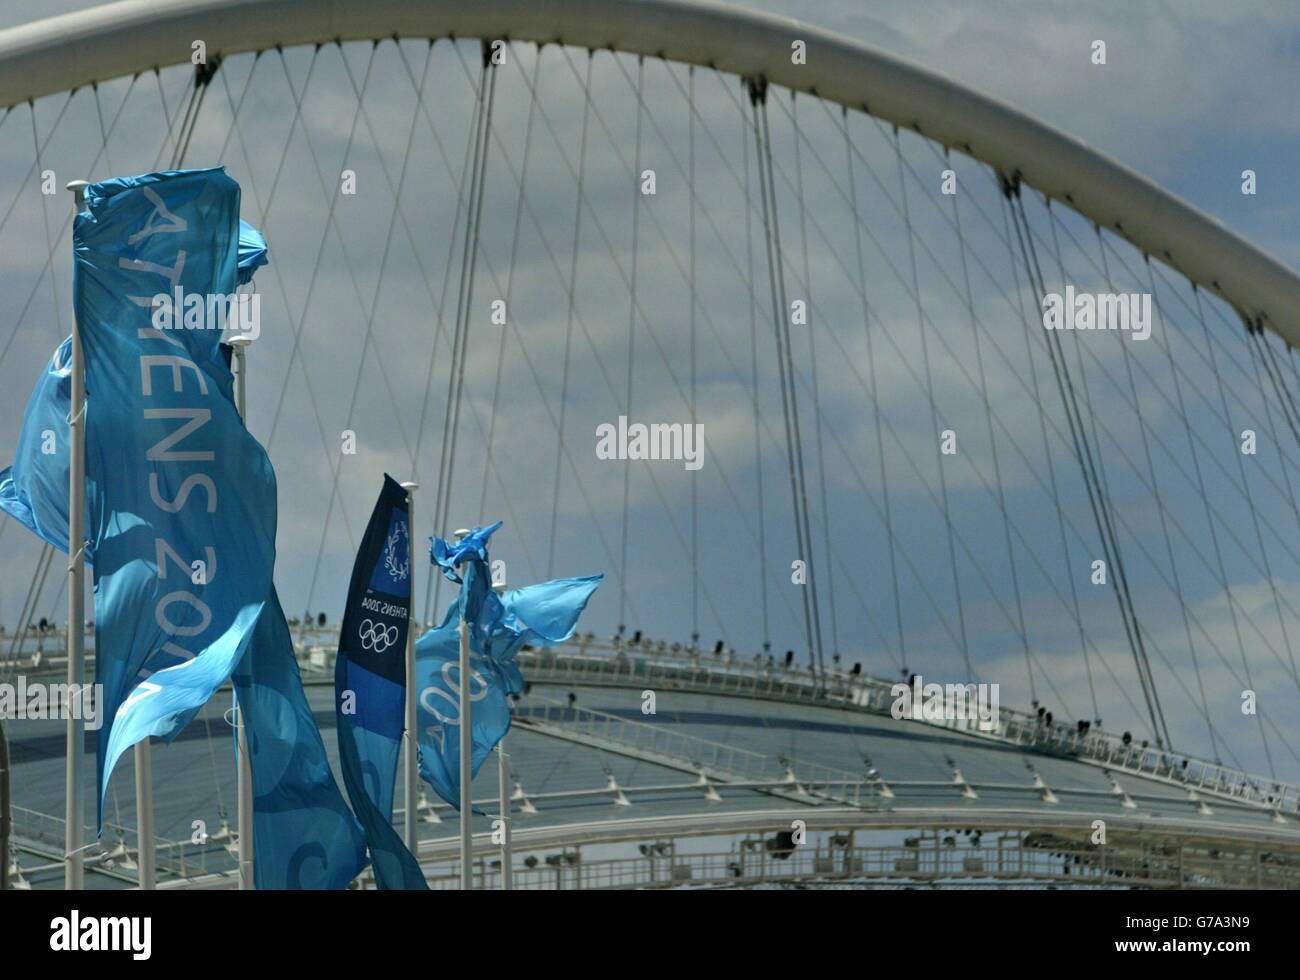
(72, 50)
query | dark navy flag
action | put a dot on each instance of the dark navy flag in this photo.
(499, 626)
(370, 683)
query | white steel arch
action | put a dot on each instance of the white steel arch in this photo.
(131, 36)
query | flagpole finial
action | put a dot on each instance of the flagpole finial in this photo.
(243, 340)
(461, 534)
(78, 188)
(409, 485)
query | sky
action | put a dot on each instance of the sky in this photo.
(1192, 93)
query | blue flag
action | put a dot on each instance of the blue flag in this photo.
(34, 491)
(183, 516)
(251, 252)
(370, 683)
(182, 498)
(499, 626)
(304, 835)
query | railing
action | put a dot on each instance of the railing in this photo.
(587, 660)
(20, 648)
(590, 662)
(184, 859)
(118, 851)
(39, 828)
(1007, 860)
(713, 760)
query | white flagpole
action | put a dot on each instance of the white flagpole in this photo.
(503, 790)
(466, 775)
(412, 772)
(245, 804)
(146, 846)
(74, 810)
(6, 811)
(503, 794)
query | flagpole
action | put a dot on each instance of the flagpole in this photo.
(74, 810)
(245, 763)
(412, 696)
(466, 765)
(503, 791)
(6, 810)
(503, 794)
(146, 847)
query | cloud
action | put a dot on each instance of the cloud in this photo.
(390, 265)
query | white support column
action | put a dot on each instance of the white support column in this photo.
(412, 770)
(466, 766)
(245, 764)
(74, 807)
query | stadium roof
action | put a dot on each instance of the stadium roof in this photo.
(591, 767)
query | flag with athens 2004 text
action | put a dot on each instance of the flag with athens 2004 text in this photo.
(181, 497)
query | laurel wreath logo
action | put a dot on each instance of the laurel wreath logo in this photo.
(398, 572)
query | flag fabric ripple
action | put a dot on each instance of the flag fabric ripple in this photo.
(182, 503)
(499, 626)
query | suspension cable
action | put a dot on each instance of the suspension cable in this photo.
(34, 587)
(1286, 402)
(993, 445)
(875, 396)
(509, 297)
(1245, 662)
(1254, 338)
(631, 339)
(1092, 482)
(1182, 602)
(572, 307)
(753, 369)
(368, 337)
(934, 408)
(691, 289)
(460, 334)
(1078, 436)
(813, 321)
(789, 404)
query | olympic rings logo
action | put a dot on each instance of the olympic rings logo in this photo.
(375, 637)
(478, 690)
